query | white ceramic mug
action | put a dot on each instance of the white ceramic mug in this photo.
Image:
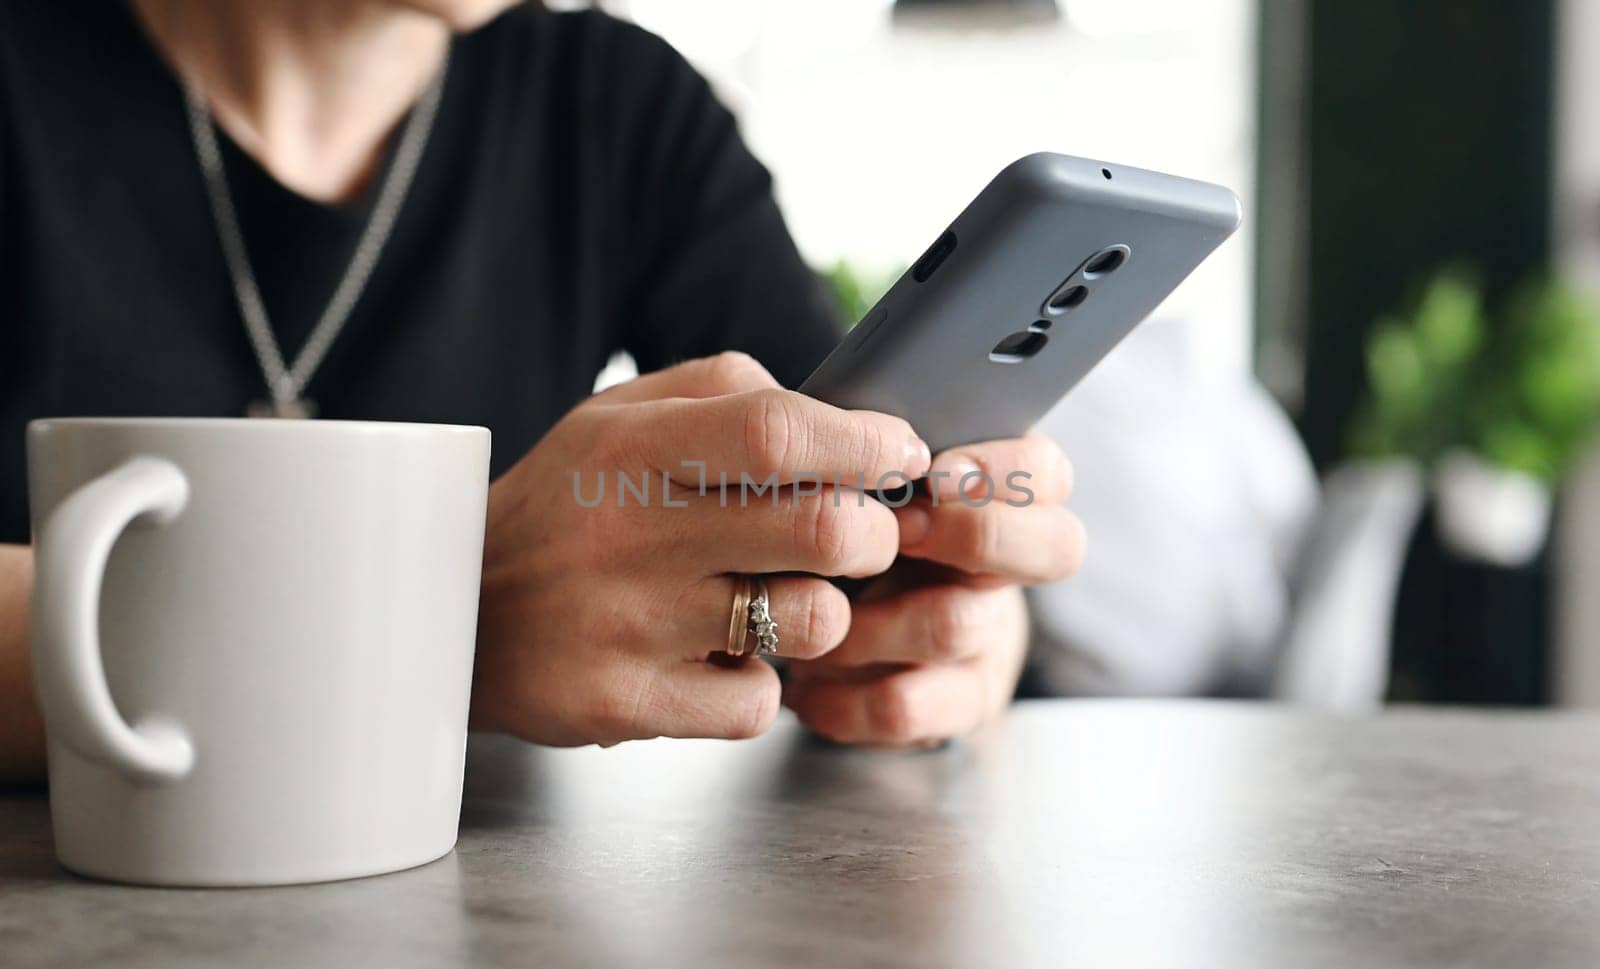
(253, 641)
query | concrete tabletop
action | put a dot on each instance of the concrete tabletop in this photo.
(1074, 833)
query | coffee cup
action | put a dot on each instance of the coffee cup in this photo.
(252, 642)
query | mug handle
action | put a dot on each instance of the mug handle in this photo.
(71, 553)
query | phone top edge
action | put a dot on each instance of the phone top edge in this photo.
(1051, 175)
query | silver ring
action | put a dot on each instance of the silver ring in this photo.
(761, 624)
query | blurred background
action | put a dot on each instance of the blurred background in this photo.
(1351, 459)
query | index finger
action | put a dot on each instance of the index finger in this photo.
(778, 434)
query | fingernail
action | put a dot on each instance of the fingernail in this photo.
(915, 523)
(917, 458)
(951, 467)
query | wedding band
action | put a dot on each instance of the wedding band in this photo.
(739, 622)
(761, 624)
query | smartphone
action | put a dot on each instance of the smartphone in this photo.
(1054, 262)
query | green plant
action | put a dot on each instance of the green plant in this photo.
(1523, 394)
(1419, 369)
(1541, 393)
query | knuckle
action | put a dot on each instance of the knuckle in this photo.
(890, 711)
(619, 711)
(825, 533)
(732, 371)
(758, 714)
(611, 440)
(770, 431)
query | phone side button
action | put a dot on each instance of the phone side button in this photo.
(866, 328)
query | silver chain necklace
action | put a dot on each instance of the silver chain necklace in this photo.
(285, 382)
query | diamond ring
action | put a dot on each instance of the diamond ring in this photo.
(761, 625)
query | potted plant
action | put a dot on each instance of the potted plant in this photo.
(1497, 414)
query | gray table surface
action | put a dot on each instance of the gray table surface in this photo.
(1074, 833)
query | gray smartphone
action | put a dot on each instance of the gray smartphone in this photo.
(1054, 262)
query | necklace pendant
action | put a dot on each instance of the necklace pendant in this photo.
(293, 410)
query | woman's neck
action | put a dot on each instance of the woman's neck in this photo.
(310, 88)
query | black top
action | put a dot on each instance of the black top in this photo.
(582, 192)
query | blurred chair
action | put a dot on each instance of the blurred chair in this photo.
(1216, 565)
(1335, 651)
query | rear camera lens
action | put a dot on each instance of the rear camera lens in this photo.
(1105, 262)
(1018, 347)
(1068, 298)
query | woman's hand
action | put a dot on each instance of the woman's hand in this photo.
(599, 624)
(935, 647)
